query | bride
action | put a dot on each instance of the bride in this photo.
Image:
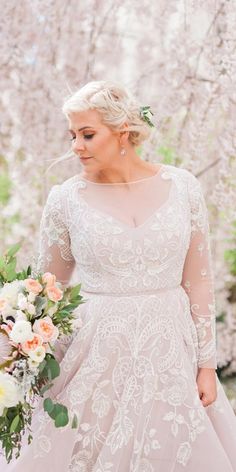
(140, 372)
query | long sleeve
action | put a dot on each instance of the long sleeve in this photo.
(54, 241)
(197, 277)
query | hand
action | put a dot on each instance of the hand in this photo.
(206, 382)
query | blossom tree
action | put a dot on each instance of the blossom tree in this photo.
(179, 57)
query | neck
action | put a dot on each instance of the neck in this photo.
(126, 169)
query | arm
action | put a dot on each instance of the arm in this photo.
(54, 241)
(197, 278)
(54, 251)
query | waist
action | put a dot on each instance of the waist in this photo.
(132, 294)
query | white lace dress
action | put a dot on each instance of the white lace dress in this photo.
(141, 251)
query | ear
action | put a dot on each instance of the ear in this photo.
(123, 135)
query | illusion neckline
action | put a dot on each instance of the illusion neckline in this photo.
(162, 166)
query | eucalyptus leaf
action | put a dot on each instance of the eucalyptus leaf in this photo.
(51, 368)
(40, 304)
(74, 422)
(2, 263)
(10, 270)
(42, 365)
(54, 367)
(48, 405)
(13, 250)
(61, 419)
(56, 409)
(14, 424)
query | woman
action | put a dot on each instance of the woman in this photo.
(141, 371)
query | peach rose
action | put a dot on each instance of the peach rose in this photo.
(46, 329)
(28, 346)
(33, 286)
(54, 293)
(49, 279)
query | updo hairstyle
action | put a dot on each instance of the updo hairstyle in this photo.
(116, 106)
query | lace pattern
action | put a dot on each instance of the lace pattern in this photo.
(148, 324)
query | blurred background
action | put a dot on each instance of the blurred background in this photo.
(179, 57)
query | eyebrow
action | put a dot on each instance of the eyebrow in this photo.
(84, 127)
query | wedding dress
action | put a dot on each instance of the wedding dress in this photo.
(142, 254)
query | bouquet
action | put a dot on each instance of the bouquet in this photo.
(34, 313)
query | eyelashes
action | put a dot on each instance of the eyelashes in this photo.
(86, 136)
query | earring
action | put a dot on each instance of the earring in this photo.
(123, 151)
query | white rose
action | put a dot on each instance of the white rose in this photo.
(37, 354)
(21, 332)
(22, 301)
(11, 290)
(52, 310)
(8, 311)
(33, 365)
(31, 309)
(31, 297)
(20, 315)
(10, 391)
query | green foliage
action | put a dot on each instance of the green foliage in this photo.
(74, 422)
(221, 317)
(168, 154)
(5, 188)
(40, 304)
(13, 423)
(58, 413)
(50, 368)
(8, 266)
(15, 420)
(230, 254)
(70, 301)
(145, 112)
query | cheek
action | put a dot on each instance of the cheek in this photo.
(105, 142)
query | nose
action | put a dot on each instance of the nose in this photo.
(78, 145)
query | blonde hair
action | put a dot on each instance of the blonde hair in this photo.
(115, 104)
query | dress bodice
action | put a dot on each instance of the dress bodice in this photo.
(133, 238)
(114, 256)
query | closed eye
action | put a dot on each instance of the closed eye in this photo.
(86, 136)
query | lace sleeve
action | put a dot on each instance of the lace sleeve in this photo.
(197, 279)
(54, 241)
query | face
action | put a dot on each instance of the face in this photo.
(96, 144)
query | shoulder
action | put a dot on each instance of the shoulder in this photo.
(58, 191)
(183, 174)
(179, 171)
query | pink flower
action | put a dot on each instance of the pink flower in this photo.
(54, 293)
(28, 346)
(46, 329)
(33, 285)
(5, 346)
(49, 279)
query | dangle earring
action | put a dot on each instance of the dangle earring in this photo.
(123, 151)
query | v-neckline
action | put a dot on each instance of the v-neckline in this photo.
(120, 223)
